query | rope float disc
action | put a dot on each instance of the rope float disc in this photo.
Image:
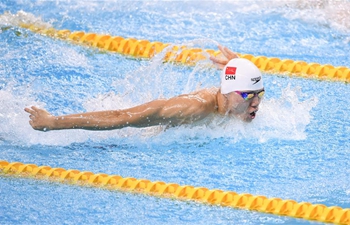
(277, 206)
(189, 56)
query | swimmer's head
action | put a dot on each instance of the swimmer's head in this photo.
(240, 75)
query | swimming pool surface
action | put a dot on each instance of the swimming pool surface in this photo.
(297, 148)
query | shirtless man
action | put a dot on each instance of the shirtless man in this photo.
(240, 94)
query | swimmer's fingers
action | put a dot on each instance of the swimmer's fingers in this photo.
(30, 110)
(40, 119)
(221, 60)
(31, 123)
(31, 116)
(227, 52)
(33, 110)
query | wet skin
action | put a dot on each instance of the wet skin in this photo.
(183, 109)
(244, 109)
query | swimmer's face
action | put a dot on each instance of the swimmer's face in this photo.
(247, 108)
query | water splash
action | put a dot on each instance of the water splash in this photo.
(330, 13)
(21, 17)
(283, 118)
(13, 120)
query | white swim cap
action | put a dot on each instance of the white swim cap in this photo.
(240, 75)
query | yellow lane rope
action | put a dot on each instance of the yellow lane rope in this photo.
(189, 56)
(263, 204)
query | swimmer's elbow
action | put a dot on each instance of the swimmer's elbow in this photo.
(113, 119)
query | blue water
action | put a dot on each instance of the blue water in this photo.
(297, 147)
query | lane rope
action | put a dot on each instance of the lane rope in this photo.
(277, 206)
(189, 56)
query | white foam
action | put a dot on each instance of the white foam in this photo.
(16, 128)
(331, 13)
(283, 118)
(21, 17)
(334, 14)
(13, 119)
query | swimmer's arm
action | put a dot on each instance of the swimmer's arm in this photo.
(174, 111)
(137, 116)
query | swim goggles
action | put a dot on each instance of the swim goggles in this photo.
(251, 94)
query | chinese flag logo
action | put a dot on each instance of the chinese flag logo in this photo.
(230, 70)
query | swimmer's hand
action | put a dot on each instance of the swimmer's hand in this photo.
(223, 58)
(40, 119)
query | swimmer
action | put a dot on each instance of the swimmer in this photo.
(240, 94)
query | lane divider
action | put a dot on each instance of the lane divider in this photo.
(189, 56)
(277, 206)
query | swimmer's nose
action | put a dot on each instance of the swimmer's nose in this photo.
(255, 102)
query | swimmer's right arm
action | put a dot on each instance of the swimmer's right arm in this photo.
(138, 116)
(42, 120)
(174, 111)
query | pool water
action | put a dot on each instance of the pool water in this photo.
(297, 148)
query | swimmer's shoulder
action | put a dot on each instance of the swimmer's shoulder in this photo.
(204, 98)
(208, 96)
(207, 91)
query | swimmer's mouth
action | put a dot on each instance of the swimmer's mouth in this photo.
(252, 114)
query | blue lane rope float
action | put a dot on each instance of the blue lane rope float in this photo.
(277, 206)
(189, 56)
